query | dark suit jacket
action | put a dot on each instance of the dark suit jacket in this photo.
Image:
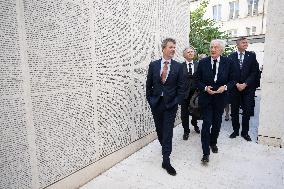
(249, 72)
(189, 81)
(204, 77)
(172, 89)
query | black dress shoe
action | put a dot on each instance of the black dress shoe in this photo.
(246, 137)
(234, 135)
(196, 128)
(205, 159)
(185, 136)
(169, 169)
(214, 148)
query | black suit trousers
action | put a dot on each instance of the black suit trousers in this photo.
(212, 119)
(164, 122)
(185, 114)
(244, 99)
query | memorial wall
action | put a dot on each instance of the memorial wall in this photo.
(72, 82)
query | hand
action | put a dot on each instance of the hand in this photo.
(209, 91)
(241, 87)
(221, 89)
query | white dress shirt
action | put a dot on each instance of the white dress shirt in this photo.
(192, 66)
(217, 67)
(168, 71)
(162, 66)
(240, 55)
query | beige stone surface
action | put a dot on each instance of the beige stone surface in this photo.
(271, 127)
(239, 164)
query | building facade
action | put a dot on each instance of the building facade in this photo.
(240, 18)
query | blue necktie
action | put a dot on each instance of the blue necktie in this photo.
(241, 60)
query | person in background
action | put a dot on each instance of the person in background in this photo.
(242, 94)
(201, 56)
(189, 68)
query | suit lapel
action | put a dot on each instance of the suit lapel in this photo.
(184, 69)
(236, 56)
(246, 56)
(221, 67)
(184, 66)
(237, 65)
(245, 61)
(209, 68)
(157, 70)
(195, 66)
(171, 71)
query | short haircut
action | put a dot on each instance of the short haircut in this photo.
(240, 39)
(221, 42)
(165, 42)
(190, 47)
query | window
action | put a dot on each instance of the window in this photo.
(232, 32)
(252, 7)
(234, 9)
(251, 31)
(217, 12)
(248, 31)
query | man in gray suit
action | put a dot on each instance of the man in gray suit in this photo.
(189, 68)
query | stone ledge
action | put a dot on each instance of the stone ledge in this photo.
(270, 141)
(88, 173)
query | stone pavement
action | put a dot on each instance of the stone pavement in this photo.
(239, 164)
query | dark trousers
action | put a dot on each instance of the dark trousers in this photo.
(164, 122)
(212, 118)
(185, 115)
(245, 99)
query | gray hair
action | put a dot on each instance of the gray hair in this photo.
(166, 41)
(190, 47)
(240, 39)
(221, 42)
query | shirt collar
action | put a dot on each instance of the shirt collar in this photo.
(164, 60)
(240, 52)
(218, 59)
(191, 62)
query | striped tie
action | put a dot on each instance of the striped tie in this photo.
(241, 60)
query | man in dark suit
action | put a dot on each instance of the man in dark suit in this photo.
(189, 68)
(164, 91)
(242, 94)
(214, 77)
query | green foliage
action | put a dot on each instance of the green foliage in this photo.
(202, 31)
